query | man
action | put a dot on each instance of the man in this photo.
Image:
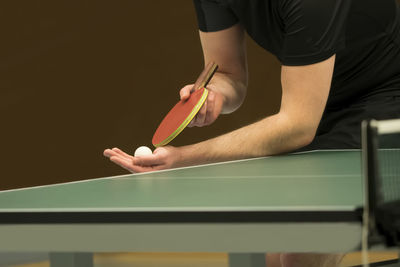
(340, 64)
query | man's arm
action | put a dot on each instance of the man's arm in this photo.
(227, 48)
(305, 90)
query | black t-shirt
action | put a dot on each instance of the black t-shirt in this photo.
(364, 35)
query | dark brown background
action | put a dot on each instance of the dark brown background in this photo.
(77, 77)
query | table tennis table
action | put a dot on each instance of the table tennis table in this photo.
(301, 202)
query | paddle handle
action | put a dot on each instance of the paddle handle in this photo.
(205, 76)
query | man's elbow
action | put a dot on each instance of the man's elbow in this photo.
(301, 131)
(306, 133)
(307, 139)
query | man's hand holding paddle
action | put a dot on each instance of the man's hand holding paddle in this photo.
(211, 108)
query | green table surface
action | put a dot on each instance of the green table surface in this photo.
(312, 180)
(298, 202)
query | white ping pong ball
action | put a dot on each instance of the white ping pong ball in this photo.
(142, 151)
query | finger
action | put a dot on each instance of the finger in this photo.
(123, 162)
(193, 122)
(201, 115)
(185, 92)
(122, 153)
(138, 168)
(109, 153)
(147, 168)
(209, 118)
(148, 160)
(129, 166)
(196, 121)
(158, 167)
(218, 103)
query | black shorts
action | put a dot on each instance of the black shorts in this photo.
(341, 128)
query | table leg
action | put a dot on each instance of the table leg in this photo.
(247, 260)
(71, 259)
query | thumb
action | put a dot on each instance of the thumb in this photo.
(185, 92)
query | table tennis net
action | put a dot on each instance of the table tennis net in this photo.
(381, 160)
(389, 174)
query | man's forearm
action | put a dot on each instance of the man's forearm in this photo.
(273, 135)
(305, 90)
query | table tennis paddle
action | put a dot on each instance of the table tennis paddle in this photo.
(184, 111)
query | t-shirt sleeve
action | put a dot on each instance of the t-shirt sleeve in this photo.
(213, 15)
(313, 30)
